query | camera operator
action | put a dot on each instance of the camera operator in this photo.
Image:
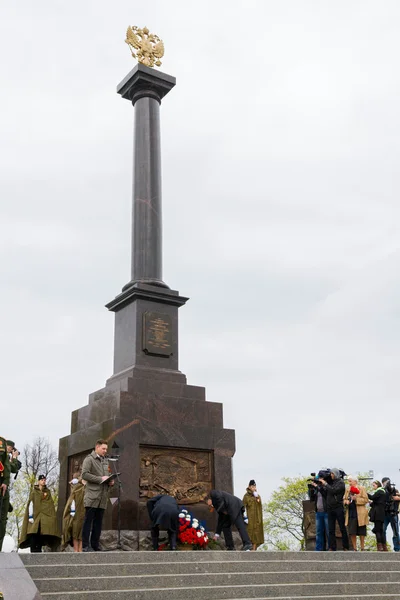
(392, 500)
(334, 491)
(13, 454)
(321, 514)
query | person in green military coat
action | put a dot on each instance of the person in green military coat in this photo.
(74, 514)
(39, 527)
(253, 505)
(5, 471)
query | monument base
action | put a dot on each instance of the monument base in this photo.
(168, 438)
(132, 541)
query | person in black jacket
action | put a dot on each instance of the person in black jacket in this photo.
(377, 514)
(315, 493)
(334, 492)
(163, 512)
(392, 511)
(230, 511)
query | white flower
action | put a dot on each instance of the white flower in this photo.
(198, 534)
(205, 538)
(184, 511)
(181, 515)
(187, 518)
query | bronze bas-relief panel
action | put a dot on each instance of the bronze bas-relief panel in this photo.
(185, 474)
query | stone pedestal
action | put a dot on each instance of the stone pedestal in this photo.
(168, 437)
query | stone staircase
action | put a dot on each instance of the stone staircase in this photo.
(216, 575)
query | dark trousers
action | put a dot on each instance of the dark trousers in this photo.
(333, 516)
(4, 502)
(155, 534)
(393, 521)
(379, 533)
(227, 531)
(322, 531)
(36, 541)
(92, 527)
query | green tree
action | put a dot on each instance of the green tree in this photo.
(283, 515)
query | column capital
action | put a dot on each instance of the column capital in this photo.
(145, 81)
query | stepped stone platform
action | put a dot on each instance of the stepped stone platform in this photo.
(215, 575)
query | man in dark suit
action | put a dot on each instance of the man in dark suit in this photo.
(230, 511)
(163, 513)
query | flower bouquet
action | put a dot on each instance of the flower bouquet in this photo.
(190, 532)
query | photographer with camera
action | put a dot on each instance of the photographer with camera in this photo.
(321, 514)
(13, 454)
(334, 489)
(392, 500)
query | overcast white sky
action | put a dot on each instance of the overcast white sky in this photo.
(281, 145)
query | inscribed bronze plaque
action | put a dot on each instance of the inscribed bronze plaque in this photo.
(157, 333)
(184, 474)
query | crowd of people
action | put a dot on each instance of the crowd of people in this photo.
(347, 506)
(335, 504)
(85, 507)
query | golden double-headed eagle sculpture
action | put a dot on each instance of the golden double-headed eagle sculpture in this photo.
(146, 47)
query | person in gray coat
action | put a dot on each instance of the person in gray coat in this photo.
(95, 471)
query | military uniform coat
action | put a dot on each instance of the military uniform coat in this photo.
(255, 528)
(15, 466)
(5, 467)
(72, 525)
(44, 515)
(5, 470)
(93, 469)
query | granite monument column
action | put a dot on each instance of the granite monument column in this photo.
(145, 88)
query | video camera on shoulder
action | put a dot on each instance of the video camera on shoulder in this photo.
(323, 474)
(391, 505)
(391, 488)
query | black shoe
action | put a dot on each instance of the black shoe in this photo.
(86, 549)
(247, 547)
(97, 550)
(231, 549)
